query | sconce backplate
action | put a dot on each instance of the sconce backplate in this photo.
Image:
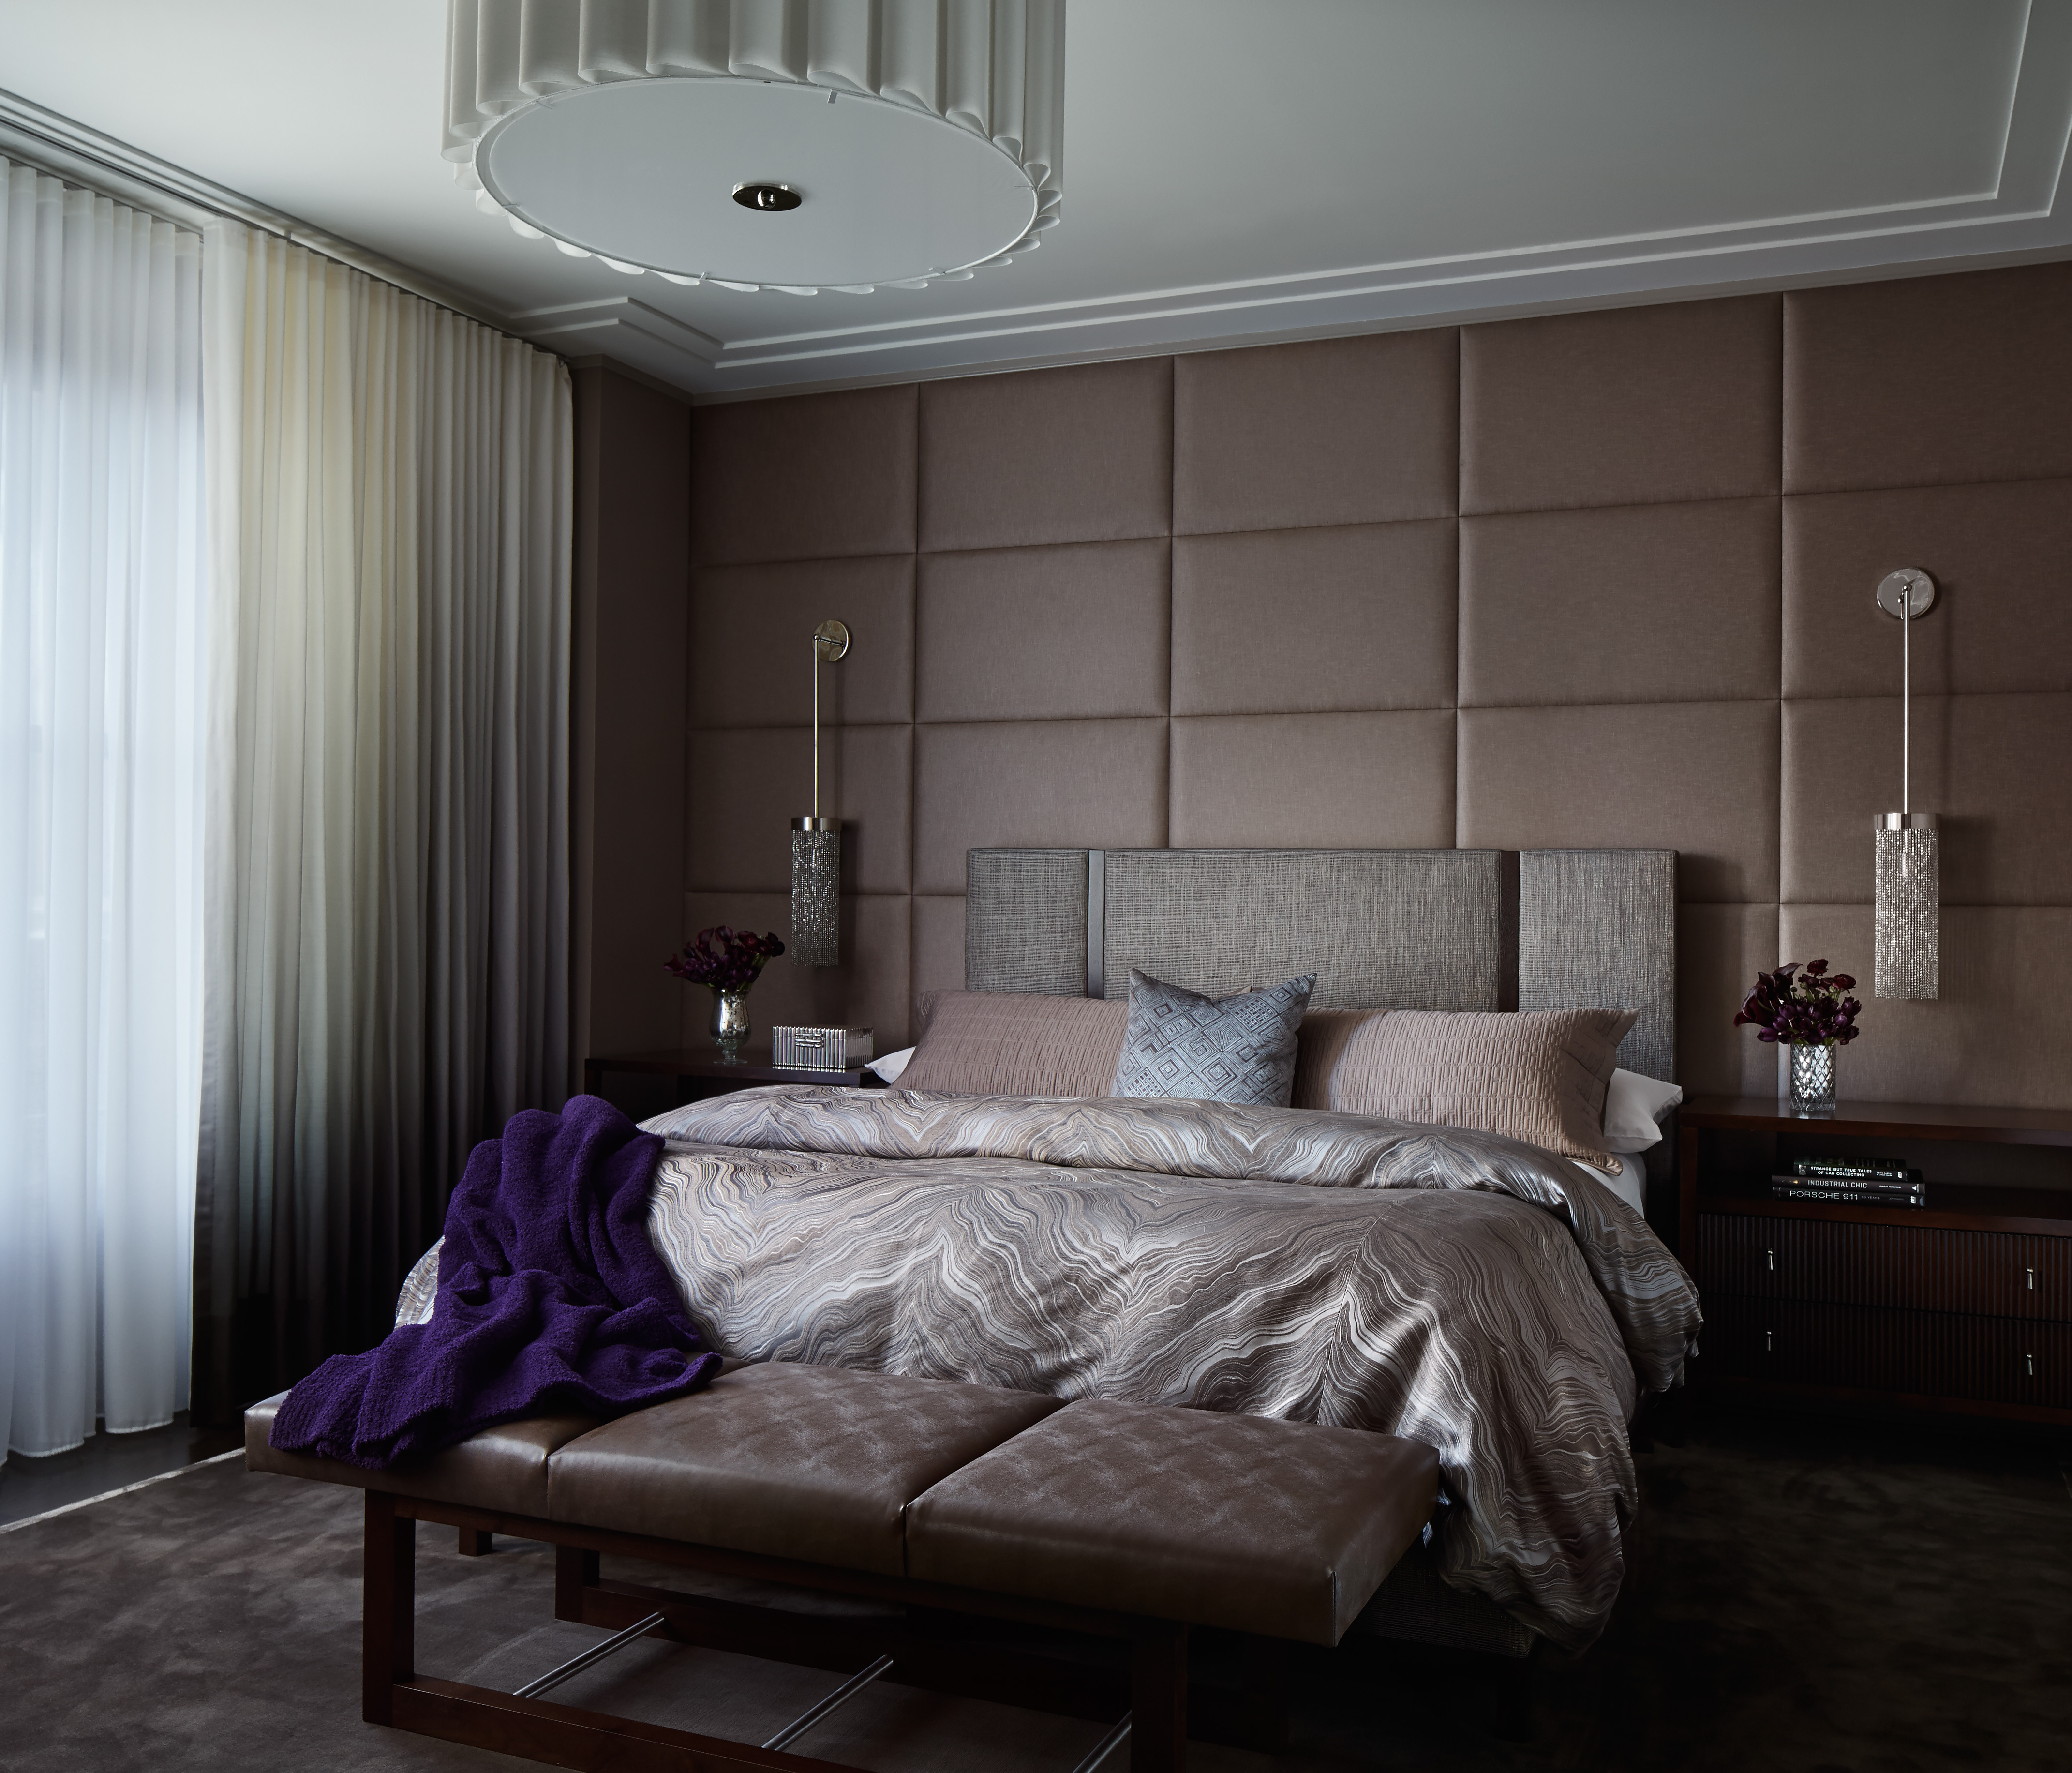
(831, 640)
(1911, 583)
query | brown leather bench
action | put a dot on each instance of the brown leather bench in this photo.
(1127, 1523)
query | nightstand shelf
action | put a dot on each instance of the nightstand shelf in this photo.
(700, 1072)
(1963, 1305)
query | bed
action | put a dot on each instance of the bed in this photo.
(1467, 1290)
(1475, 1292)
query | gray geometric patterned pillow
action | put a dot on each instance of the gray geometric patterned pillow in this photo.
(1236, 1049)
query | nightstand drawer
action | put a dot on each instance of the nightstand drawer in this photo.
(1919, 1355)
(1994, 1274)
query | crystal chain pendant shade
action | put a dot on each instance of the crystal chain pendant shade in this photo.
(816, 842)
(1906, 938)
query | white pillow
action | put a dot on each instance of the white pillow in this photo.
(890, 1066)
(1634, 1107)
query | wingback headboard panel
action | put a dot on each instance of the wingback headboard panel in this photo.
(1400, 929)
(1597, 927)
(1025, 921)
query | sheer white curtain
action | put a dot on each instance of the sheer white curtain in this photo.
(391, 503)
(102, 619)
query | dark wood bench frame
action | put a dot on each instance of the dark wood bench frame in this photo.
(1151, 1683)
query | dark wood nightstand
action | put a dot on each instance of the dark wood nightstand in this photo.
(1964, 1304)
(700, 1072)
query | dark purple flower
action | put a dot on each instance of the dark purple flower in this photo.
(725, 959)
(1802, 1004)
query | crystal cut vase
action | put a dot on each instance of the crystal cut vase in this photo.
(1813, 1076)
(729, 1023)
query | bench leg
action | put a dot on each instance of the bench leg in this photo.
(389, 1618)
(475, 1542)
(1158, 1700)
(575, 1570)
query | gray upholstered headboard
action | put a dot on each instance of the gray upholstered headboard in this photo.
(1397, 929)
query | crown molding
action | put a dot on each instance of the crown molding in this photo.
(82, 155)
(2015, 221)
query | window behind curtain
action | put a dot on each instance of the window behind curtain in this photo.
(103, 607)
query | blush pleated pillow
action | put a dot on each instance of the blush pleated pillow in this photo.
(1011, 1044)
(1540, 1074)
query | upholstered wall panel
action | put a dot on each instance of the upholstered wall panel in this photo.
(1275, 781)
(804, 478)
(1720, 949)
(1363, 618)
(1627, 604)
(1078, 455)
(1075, 631)
(751, 783)
(1628, 406)
(1929, 381)
(751, 633)
(938, 943)
(1039, 784)
(1697, 777)
(2001, 1032)
(2003, 616)
(2007, 824)
(870, 989)
(1226, 600)
(1338, 431)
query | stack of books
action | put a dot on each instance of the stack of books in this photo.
(1864, 1182)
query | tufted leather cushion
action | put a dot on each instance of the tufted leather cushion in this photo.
(502, 1468)
(1285, 1529)
(816, 1463)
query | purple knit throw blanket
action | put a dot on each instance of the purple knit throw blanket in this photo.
(551, 1301)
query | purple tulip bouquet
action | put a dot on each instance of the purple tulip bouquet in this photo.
(1811, 1009)
(727, 960)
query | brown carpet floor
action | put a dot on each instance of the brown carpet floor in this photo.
(1808, 1595)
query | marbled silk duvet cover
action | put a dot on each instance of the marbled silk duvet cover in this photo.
(1462, 1290)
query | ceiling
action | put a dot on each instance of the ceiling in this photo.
(1234, 172)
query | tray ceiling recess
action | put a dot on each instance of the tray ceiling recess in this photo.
(835, 146)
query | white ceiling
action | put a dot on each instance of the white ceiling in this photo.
(1235, 171)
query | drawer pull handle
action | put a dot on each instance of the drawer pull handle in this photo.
(1769, 1343)
(2032, 1280)
(1772, 1255)
(2031, 1359)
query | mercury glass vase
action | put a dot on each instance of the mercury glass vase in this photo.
(729, 1023)
(1813, 1076)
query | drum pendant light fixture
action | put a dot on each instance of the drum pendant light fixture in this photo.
(790, 145)
(816, 842)
(1906, 938)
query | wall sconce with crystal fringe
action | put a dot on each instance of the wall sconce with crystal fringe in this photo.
(816, 842)
(1907, 937)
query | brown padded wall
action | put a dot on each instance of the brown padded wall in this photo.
(1592, 579)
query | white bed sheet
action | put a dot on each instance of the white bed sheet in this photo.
(1630, 1184)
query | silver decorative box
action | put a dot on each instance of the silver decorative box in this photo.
(819, 1049)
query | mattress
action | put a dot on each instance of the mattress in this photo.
(1501, 1304)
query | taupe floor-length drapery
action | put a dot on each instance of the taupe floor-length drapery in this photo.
(386, 873)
